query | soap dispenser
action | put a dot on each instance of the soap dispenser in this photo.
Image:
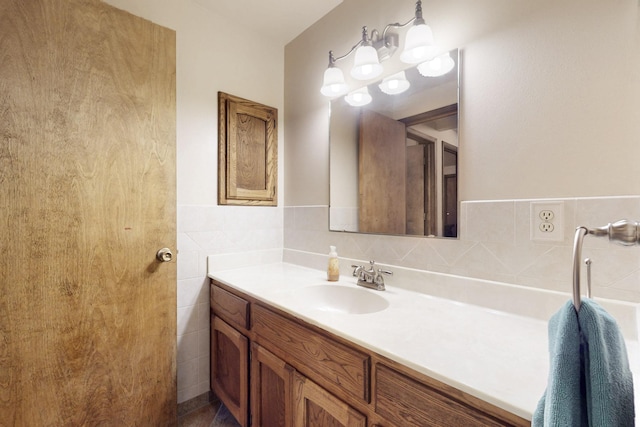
(333, 269)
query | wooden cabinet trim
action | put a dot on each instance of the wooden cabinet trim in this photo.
(232, 308)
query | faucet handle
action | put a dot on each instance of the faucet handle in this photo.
(356, 269)
(379, 279)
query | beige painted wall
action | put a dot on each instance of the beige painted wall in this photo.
(550, 102)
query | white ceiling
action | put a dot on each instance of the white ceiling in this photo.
(283, 20)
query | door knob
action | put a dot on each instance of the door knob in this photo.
(164, 255)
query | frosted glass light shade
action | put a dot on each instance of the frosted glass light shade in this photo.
(333, 83)
(418, 45)
(438, 66)
(359, 97)
(366, 64)
(395, 84)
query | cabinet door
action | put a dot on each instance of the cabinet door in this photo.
(271, 389)
(315, 407)
(230, 368)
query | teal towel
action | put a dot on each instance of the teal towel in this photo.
(561, 404)
(590, 383)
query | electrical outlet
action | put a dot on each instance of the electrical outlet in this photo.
(546, 215)
(547, 227)
(547, 221)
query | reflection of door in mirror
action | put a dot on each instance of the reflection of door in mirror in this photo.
(439, 206)
(421, 195)
(400, 190)
(381, 174)
(450, 190)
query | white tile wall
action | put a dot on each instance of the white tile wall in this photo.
(232, 236)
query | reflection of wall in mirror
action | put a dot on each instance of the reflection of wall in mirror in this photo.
(343, 156)
(436, 97)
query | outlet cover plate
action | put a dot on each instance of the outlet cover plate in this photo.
(547, 230)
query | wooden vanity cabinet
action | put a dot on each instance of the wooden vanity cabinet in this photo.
(298, 375)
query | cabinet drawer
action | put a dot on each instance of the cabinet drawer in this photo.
(230, 307)
(313, 353)
(404, 401)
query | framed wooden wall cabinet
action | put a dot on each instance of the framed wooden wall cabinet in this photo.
(247, 152)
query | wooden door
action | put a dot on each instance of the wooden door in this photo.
(230, 369)
(87, 197)
(316, 407)
(271, 389)
(381, 174)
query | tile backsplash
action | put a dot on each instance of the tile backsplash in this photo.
(495, 244)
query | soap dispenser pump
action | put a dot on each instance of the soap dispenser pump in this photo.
(333, 269)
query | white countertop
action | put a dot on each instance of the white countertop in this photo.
(498, 357)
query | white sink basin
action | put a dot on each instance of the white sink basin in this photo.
(341, 299)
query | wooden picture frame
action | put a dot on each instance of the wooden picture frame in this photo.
(247, 152)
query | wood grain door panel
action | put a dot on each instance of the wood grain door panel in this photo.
(230, 368)
(315, 407)
(271, 389)
(381, 174)
(87, 183)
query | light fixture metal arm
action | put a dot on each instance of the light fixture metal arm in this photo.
(396, 25)
(375, 35)
(417, 19)
(364, 40)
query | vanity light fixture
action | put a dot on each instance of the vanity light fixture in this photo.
(438, 66)
(334, 84)
(395, 84)
(418, 45)
(366, 65)
(358, 97)
(372, 49)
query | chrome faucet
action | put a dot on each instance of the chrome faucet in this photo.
(370, 277)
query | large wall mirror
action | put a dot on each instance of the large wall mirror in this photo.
(393, 162)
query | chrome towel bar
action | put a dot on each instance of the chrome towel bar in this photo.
(624, 232)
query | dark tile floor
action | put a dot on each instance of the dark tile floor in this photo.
(213, 414)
